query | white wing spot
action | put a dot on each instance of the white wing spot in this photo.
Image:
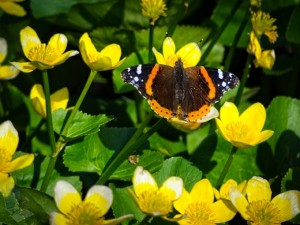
(128, 70)
(220, 73)
(224, 84)
(139, 69)
(230, 75)
(136, 79)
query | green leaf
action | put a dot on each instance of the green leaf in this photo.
(124, 203)
(82, 125)
(56, 176)
(37, 203)
(151, 160)
(23, 177)
(10, 211)
(91, 153)
(221, 11)
(281, 151)
(52, 7)
(194, 139)
(293, 31)
(167, 147)
(291, 180)
(178, 166)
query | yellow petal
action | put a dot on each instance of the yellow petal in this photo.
(29, 40)
(202, 191)
(228, 113)
(222, 129)
(255, 117)
(64, 57)
(223, 211)
(37, 97)
(87, 49)
(3, 50)
(59, 99)
(9, 138)
(112, 51)
(159, 57)
(143, 181)
(267, 59)
(169, 51)
(172, 187)
(239, 201)
(58, 42)
(20, 162)
(242, 187)
(8, 72)
(261, 137)
(189, 54)
(58, 219)
(101, 197)
(12, 8)
(288, 204)
(66, 196)
(224, 190)
(7, 183)
(102, 64)
(25, 67)
(183, 202)
(258, 189)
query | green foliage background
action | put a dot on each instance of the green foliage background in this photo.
(112, 110)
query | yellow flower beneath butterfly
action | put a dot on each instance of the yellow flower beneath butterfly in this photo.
(42, 56)
(9, 140)
(257, 206)
(91, 210)
(58, 99)
(245, 130)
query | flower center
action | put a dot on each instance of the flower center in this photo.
(238, 131)
(199, 213)
(263, 213)
(155, 203)
(85, 214)
(43, 53)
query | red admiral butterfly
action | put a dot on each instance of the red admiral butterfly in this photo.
(186, 94)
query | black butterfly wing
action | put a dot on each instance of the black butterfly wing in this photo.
(155, 83)
(203, 86)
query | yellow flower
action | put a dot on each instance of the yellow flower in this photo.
(258, 208)
(189, 54)
(42, 56)
(9, 140)
(151, 199)
(243, 131)
(91, 210)
(264, 59)
(262, 23)
(12, 8)
(198, 206)
(59, 99)
(225, 188)
(153, 9)
(6, 71)
(107, 59)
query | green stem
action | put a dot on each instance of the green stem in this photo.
(48, 109)
(226, 167)
(31, 135)
(243, 80)
(61, 143)
(49, 128)
(220, 31)
(128, 149)
(151, 33)
(235, 41)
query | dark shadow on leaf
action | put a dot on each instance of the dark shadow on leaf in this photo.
(203, 154)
